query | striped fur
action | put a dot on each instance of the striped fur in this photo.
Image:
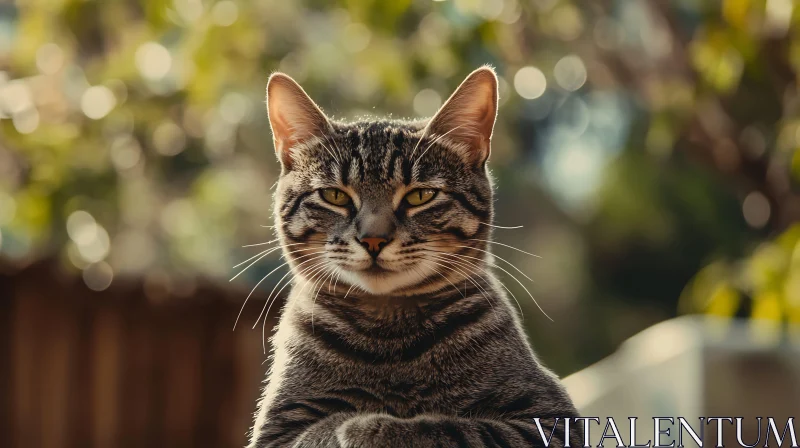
(428, 352)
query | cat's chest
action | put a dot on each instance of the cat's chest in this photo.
(403, 389)
(435, 372)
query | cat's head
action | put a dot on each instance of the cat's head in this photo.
(389, 207)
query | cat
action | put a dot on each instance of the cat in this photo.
(395, 333)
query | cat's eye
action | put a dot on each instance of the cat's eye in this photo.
(420, 196)
(335, 196)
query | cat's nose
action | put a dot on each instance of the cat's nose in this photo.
(373, 244)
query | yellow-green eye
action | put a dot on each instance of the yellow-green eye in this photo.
(335, 196)
(420, 196)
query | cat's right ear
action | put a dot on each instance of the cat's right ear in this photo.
(293, 116)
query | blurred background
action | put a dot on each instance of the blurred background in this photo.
(649, 149)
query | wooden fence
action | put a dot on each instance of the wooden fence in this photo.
(117, 368)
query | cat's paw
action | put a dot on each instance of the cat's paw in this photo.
(367, 430)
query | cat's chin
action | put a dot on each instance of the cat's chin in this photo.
(381, 281)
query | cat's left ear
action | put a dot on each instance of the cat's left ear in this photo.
(467, 118)
(293, 116)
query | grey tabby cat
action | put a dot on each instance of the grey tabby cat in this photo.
(395, 334)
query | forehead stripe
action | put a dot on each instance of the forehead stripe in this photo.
(296, 205)
(391, 167)
(359, 161)
(406, 166)
(345, 171)
(483, 214)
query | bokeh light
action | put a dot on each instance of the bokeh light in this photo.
(26, 121)
(225, 13)
(49, 58)
(356, 37)
(98, 276)
(756, 209)
(81, 227)
(169, 139)
(234, 108)
(189, 10)
(153, 61)
(97, 102)
(125, 153)
(570, 73)
(427, 102)
(15, 97)
(530, 83)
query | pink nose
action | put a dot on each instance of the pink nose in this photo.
(373, 245)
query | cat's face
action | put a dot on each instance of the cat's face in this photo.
(380, 205)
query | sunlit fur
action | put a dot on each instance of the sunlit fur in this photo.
(420, 347)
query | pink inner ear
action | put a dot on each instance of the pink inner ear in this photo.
(281, 135)
(468, 116)
(293, 116)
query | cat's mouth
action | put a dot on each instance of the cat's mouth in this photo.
(375, 269)
(382, 277)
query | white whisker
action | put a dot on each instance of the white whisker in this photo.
(314, 302)
(467, 277)
(443, 276)
(501, 227)
(260, 281)
(261, 244)
(264, 323)
(522, 313)
(263, 252)
(348, 291)
(495, 256)
(506, 245)
(338, 162)
(434, 142)
(421, 137)
(284, 276)
(523, 287)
